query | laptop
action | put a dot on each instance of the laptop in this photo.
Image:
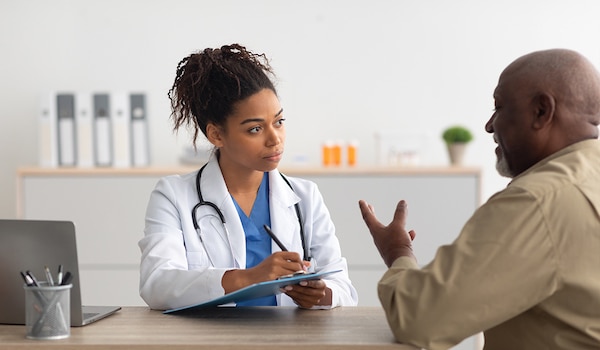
(32, 245)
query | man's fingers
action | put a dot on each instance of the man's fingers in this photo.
(366, 211)
(400, 214)
(368, 215)
(412, 235)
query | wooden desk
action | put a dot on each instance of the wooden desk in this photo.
(255, 328)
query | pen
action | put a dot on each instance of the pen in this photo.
(27, 279)
(49, 278)
(31, 282)
(275, 239)
(67, 279)
(34, 281)
(59, 276)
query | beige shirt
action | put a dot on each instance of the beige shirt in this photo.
(525, 268)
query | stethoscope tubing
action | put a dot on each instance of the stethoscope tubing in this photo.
(222, 217)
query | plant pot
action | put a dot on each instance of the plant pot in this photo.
(456, 151)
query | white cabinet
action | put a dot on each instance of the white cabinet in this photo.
(108, 208)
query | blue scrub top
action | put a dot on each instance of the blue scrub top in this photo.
(258, 242)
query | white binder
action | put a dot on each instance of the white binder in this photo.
(67, 143)
(83, 121)
(102, 130)
(48, 143)
(120, 121)
(140, 153)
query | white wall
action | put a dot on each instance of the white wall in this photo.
(346, 68)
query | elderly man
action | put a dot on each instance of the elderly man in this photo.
(525, 268)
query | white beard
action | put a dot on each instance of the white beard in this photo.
(503, 168)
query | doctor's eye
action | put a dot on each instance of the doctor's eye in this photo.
(280, 122)
(254, 130)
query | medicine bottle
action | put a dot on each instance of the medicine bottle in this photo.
(351, 150)
(337, 152)
(327, 153)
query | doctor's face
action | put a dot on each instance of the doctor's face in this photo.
(254, 134)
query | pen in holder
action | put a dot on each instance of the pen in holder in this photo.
(47, 311)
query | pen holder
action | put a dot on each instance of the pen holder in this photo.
(47, 311)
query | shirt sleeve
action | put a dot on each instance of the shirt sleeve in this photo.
(470, 284)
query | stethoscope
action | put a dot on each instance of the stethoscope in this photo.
(222, 218)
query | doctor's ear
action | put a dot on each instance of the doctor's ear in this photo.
(214, 134)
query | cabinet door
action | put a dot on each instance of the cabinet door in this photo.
(438, 207)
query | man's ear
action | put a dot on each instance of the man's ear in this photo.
(545, 106)
(214, 134)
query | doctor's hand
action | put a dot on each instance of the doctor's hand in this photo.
(309, 293)
(392, 241)
(278, 264)
(275, 265)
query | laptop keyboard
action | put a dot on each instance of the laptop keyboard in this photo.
(88, 315)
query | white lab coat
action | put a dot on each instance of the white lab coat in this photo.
(175, 270)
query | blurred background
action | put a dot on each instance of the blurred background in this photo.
(360, 70)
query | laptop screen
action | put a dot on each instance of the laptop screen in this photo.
(32, 245)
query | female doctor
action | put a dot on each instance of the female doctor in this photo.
(204, 234)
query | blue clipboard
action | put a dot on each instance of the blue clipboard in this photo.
(257, 290)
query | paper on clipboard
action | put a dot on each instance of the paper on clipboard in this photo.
(257, 290)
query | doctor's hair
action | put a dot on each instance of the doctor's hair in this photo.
(209, 83)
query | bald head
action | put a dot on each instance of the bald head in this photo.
(568, 77)
(544, 101)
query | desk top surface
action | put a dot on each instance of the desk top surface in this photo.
(224, 328)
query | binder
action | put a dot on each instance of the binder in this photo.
(102, 130)
(140, 152)
(83, 121)
(65, 112)
(48, 135)
(120, 122)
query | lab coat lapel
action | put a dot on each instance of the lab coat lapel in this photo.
(215, 190)
(284, 221)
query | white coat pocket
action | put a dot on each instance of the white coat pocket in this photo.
(197, 260)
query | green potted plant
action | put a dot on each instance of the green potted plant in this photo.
(456, 138)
